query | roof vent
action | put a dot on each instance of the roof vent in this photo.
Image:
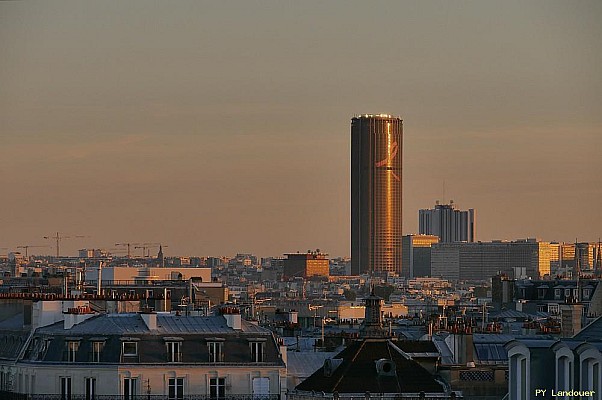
(330, 365)
(385, 367)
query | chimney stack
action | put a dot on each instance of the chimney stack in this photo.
(150, 319)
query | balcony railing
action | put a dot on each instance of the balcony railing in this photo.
(18, 396)
(373, 396)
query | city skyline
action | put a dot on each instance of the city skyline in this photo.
(217, 129)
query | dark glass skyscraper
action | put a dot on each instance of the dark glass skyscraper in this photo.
(376, 164)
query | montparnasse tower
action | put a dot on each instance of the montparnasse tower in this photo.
(376, 184)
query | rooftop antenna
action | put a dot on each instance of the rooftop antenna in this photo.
(597, 262)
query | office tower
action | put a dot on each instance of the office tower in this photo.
(482, 260)
(450, 224)
(416, 250)
(306, 265)
(376, 163)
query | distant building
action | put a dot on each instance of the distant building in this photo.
(482, 260)
(92, 253)
(570, 258)
(306, 265)
(141, 274)
(376, 172)
(416, 259)
(449, 223)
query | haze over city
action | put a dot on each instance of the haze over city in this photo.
(218, 128)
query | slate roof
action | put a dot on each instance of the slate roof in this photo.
(417, 346)
(49, 343)
(303, 364)
(112, 324)
(518, 314)
(592, 332)
(358, 374)
(11, 344)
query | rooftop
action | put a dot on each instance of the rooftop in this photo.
(357, 372)
(131, 323)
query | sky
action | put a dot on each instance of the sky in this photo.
(223, 127)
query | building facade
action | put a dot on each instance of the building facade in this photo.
(561, 369)
(146, 355)
(416, 250)
(306, 265)
(449, 223)
(482, 260)
(376, 193)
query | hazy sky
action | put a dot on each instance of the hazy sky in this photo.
(223, 127)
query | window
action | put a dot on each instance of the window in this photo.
(261, 388)
(97, 347)
(90, 388)
(176, 388)
(72, 347)
(65, 388)
(43, 349)
(217, 388)
(130, 349)
(215, 351)
(149, 293)
(130, 386)
(557, 293)
(256, 351)
(173, 352)
(523, 378)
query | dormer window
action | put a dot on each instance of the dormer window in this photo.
(216, 349)
(557, 294)
(97, 347)
(72, 346)
(130, 348)
(257, 350)
(43, 349)
(174, 349)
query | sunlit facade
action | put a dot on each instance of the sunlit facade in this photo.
(376, 183)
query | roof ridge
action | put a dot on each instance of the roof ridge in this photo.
(359, 350)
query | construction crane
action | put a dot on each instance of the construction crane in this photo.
(58, 237)
(128, 245)
(27, 246)
(148, 246)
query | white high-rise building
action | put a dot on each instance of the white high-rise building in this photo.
(449, 223)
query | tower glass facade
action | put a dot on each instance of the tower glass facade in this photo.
(376, 184)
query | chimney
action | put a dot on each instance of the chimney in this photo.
(75, 315)
(150, 319)
(232, 316)
(234, 321)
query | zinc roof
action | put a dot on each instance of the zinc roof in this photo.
(111, 324)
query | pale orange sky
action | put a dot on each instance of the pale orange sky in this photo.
(223, 127)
